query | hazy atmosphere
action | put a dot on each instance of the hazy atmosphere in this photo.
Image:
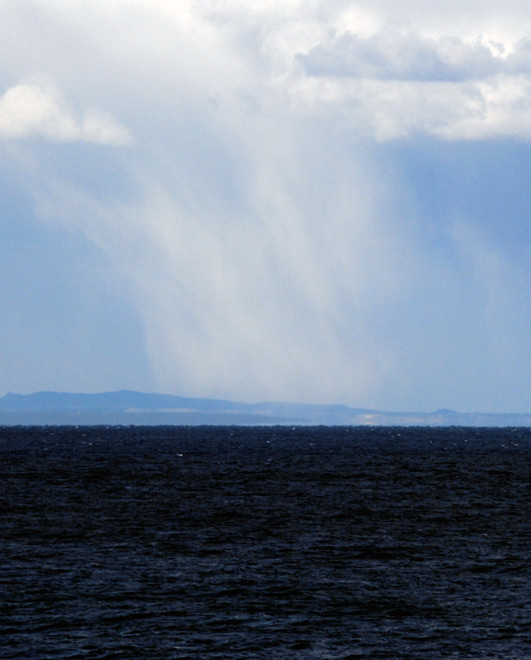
(308, 200)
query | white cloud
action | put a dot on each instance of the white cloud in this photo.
(30, 110)
(271, 248)
(499, 108)
(385, 70)
(397, 84)
(388, 70)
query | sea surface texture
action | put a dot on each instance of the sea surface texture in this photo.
(212, 542)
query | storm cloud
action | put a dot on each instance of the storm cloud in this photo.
(310, 201)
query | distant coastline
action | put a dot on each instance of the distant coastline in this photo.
(127, 407)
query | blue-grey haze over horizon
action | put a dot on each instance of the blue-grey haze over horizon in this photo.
(320, 202)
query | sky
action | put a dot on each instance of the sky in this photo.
(320, 201)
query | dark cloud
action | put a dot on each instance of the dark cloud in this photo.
(394, 55)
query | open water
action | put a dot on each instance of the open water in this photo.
(216, 542)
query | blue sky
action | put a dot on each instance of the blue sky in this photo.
(308, 200)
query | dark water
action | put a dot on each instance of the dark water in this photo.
(265, 543)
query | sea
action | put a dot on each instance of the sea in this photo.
(265, 542)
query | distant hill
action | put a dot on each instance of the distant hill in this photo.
(127, 407)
